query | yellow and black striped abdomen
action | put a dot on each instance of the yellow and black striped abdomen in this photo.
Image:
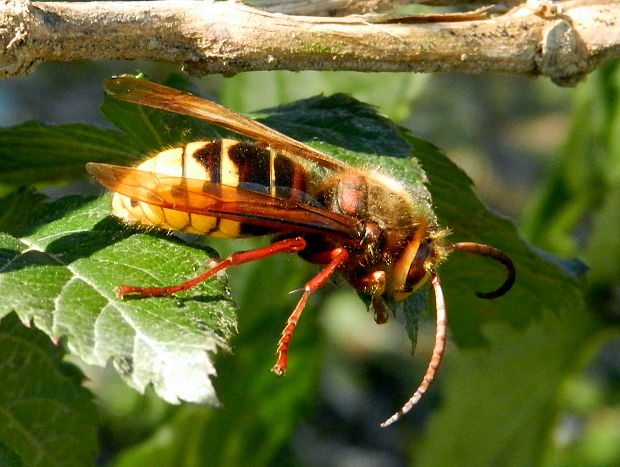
(243, 165)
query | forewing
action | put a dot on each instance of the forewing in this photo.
(223, 201)
(154, 95)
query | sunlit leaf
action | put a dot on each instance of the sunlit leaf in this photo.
(60, 273)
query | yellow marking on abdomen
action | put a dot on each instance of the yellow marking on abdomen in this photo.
(229, 175)
(179, 162)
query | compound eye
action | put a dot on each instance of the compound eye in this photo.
(418, 273)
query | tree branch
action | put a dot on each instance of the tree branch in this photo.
(229, 37)
(355, 7)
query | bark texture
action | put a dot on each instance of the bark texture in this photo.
(564, 43)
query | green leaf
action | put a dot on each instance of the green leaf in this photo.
(61, 271)
(32, 153)
(344, 123)
(46, 417)
(8, 457)
(500, 403)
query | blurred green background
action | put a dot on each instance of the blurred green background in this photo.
(546, 157)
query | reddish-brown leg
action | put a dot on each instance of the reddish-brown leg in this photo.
(338, 256)
(438, 350)
(289, 245)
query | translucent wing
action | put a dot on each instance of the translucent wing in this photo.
(223, 201)
(154, 95)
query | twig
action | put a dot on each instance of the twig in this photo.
(357, 7)
(229, 37)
